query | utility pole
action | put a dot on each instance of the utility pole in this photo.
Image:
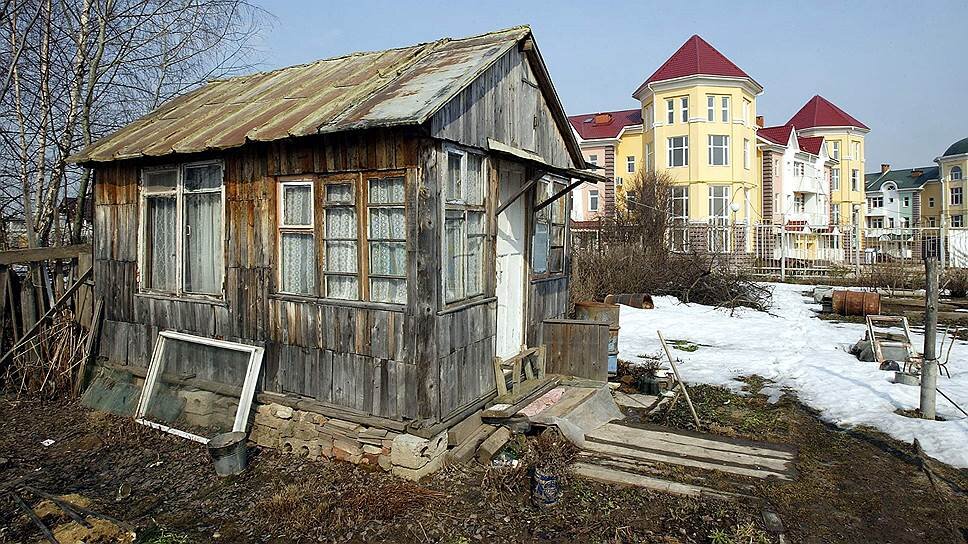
(929, 369)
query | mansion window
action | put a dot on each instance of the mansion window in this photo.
(718, 150)
(719, 218)
(464, 226)
(798, 168)
(835, 178)
(957, 221)
(875, 222)
(956, 196)
(181, 235)
(684, 109)
(906, 202)
(855, 180)
(835, 215)
(955, 173)
(875, 202)
(670, 111)
(357, 212)
(548, 241)
(717, 108)
(746, 154)
(678, 151)
(630, 164)
(799, 203)
(930, 201)
(593, 159)
(647, 118)
(679, 217)
(835, 150)
(593, 200)
(649, 157)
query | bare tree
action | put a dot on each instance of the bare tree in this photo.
(76, 70)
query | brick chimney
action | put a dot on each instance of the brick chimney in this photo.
(885, 168)
(760, 122)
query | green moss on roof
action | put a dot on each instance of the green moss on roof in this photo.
(904, 178)
(958, 148)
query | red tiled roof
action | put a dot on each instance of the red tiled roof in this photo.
(820, 112)
(810, 145)
(696, 57)
(609, 125)
(779, 134)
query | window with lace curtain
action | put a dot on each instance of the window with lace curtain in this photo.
(340, 241)
(464, 226)
(387, 239)
(548, 240)
(297, 241)
(180, 250)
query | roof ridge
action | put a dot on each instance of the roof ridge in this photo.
(368, 52)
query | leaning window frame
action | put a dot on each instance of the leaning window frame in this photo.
(554, 185)
(246, 396)
(463, 206)
(179, 194)
(282, 228)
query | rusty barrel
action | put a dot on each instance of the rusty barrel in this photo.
(603, 312)
(856, 303)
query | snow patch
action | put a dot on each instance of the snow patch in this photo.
(795, 350)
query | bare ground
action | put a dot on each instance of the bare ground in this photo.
(853, 486)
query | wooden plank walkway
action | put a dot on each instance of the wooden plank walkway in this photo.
(638, 448)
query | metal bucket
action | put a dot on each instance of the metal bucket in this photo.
(591, 310)
(545, 491)
(856, 303)
(228, 453)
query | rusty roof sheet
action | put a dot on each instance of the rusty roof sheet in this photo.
(362, 90)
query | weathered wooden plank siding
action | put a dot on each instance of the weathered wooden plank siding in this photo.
(548, 299)
(577, 348)
(504, 104)
(352, 357)
(465, 340)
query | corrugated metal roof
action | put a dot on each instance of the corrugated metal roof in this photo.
(362, 90)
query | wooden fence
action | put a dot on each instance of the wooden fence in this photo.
(577, 348)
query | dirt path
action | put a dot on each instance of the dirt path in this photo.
(166, 488)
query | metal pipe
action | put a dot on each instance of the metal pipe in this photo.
(929, 369)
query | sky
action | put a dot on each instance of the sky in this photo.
(899, 67)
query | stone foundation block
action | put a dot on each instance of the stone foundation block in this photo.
(413, 452)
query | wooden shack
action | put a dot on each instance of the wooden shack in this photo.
(384, 224)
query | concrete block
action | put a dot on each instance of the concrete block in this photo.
(375, 450)
(463, 430)
(493, 444)
(416, 474)
(414, 452)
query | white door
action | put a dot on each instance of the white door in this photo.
(510, 286)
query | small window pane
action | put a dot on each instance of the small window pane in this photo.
(342, 287)
(298, 273)
(454, 176)
(386, 190)
(341, 256)
(387, 223)
(341, 223)
(393, 291)
(474, 193)
(388, 258)
(161, 180)
(203, 243)
(540, 248)
(339, 193)
(160, 240)
(475, 253)
(297, 205)
(454, 256)
(205, 176)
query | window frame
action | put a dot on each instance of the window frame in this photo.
(684, 108)
(670, 141)
(178, 193)
(746, 111)
(556, 184)
(953, 170)
(355, 180)
(282, 228)
(670, 111)
(367, 206)
(957, 221)
(835, 178)
(630, 164)
(835, 150)
(679, 223)
(747, 160)
(720, 235)
(960, 196)
(465, 207)
(723, 146)
(593, 194)
(854, 179)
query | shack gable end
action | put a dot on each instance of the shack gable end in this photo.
(510, 104)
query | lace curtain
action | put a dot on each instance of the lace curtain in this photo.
(387, 240)
(203, 248)
(298, 205)
(161, 243)
(341, 252)
(298, 273)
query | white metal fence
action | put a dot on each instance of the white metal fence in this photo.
(801, 250)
